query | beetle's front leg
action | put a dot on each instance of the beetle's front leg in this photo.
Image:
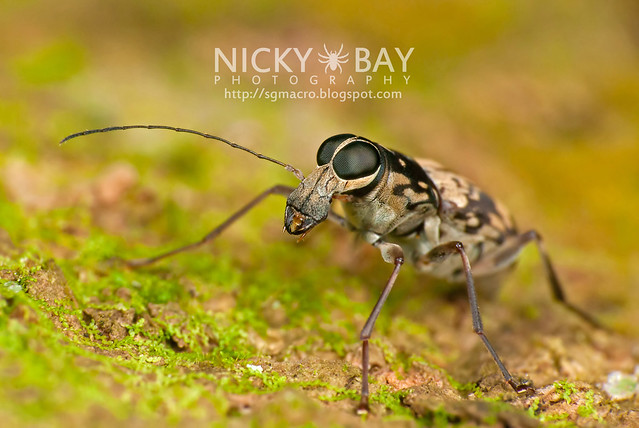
(391, 253)
(275, 190)
(439, 254)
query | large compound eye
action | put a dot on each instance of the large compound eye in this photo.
(356, 160)
(328, 147)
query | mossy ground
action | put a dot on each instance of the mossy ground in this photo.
(257, 329)
(266, 335)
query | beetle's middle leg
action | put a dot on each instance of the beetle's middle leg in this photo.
(275, 190)
(505, 256)
(439, 254)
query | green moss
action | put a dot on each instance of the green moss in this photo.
(565, 390)
(533, 409)
(587, 410)
(391, 400)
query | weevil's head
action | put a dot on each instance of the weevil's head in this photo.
(346, 164)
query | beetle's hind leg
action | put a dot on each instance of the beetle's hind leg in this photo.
(275, 190)
(506, 255)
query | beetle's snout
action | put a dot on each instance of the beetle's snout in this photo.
(309, 204)
(296, 222)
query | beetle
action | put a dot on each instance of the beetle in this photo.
(411, 210)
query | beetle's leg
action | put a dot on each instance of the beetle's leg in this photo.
(388, 251)
(506, 255)
(340, 221)
(275, 190)
(438, 254)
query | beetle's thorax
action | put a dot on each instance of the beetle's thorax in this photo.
(402, 197)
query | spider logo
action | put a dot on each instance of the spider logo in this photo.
(333, 59)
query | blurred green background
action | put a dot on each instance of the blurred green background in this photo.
(537, 102)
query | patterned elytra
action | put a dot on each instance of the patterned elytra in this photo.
(327, 148)
(356, 160)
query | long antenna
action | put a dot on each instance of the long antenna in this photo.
(288, 167)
